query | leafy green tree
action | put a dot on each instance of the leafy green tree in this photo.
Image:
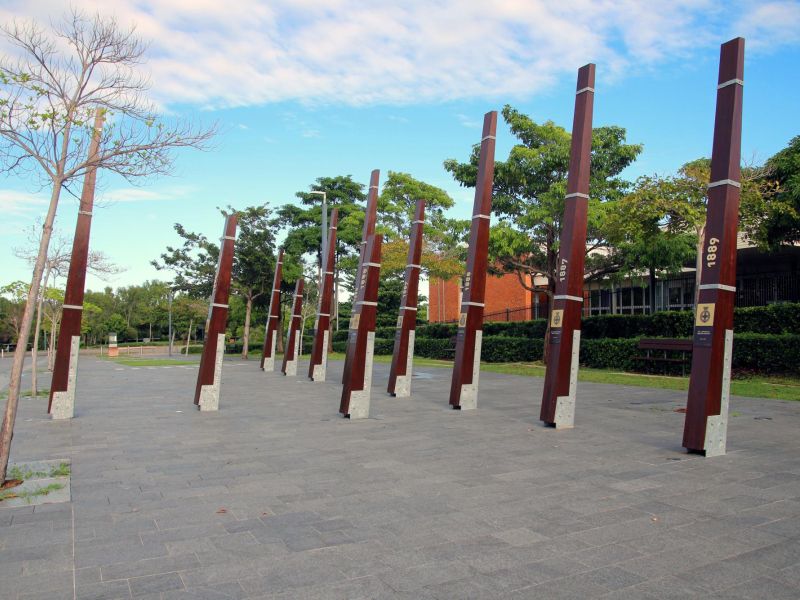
(529, 190)
(781, 223)
(15, 292)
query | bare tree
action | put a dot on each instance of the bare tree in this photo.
(55, 265)
(49, 91)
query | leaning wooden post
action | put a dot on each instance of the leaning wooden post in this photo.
(370, 217)
(209, 376)
(273, 319)
(403, 355)
(291, 351)
(358, 375)
(706, 426)
(318, 365)
(466, 369)
(61, 404)
(561, 377)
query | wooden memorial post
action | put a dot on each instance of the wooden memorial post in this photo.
(706, 424)
(370, 216)
(61, 404)
(319, 353)
(209, 376)
(403, 355)
(273, 319)
(558, 398)
(291, 350)
(361, 336)
(466, 369)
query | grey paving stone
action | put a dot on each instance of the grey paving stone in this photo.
(150, 584)
(275, 496)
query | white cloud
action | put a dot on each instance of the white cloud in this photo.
(135, 194)
(244, 52)
(16, 204)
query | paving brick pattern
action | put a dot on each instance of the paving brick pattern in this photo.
(276, 496)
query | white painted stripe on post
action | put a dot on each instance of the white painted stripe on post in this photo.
(586, 89)
(488, 137)
(577, 195)
(370, 264)
(366, 303)
(481, 304)
(88, 213)
(408, 308)
(228, 237)
(568, 297)
(725, 182)
(72, 306)
(417, 221)
(718, 286)
(413, 267)
(730, 82)
(218, 305)
(480, 217)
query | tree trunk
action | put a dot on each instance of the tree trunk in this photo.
(652, 290)
(189, 336)
(15, 378)
(246, 332)
(51, 352)
(35, 347)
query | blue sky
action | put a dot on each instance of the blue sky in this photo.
(306, 88)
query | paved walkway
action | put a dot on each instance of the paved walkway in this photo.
(276, 496)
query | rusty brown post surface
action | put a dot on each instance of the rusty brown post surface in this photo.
(370, 218)
(706, 424)
(273, 318)
(466, 369)
(318, 364)
(403, 355)
(206, 395)
(61, 403)
(291, 351)
(558, 397)
(361, 336)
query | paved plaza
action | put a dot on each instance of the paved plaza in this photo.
(277, 496)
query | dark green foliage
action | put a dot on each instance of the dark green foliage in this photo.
(434, 348)
(511, 349)
(437, 330)
(530, 329)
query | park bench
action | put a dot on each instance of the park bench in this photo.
(664, 350)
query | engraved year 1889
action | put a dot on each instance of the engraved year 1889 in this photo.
(711, 252)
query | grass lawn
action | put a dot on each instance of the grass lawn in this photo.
(39, 393)
(150, 362)
(779, 388)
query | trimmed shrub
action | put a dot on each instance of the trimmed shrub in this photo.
(428, 347)
(501, 348)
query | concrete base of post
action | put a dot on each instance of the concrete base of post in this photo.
(402, 384)
(360, 399)
(717, 425)
(64, 402)
(291, 365)
(209, 394)
(565, 405)
(469, 392)
(320, 370)
(269, 361)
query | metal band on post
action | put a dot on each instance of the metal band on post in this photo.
(563, 343)
(706, 424)
(466, 368)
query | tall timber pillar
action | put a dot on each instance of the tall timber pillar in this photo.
(209, 376)
(558, 398)
(291, 350)
(706, 426)
(273, 319)
(318, 365)
(403, 355)
(361, 347)
(61, 404)
(370, 217)
(466, 369)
